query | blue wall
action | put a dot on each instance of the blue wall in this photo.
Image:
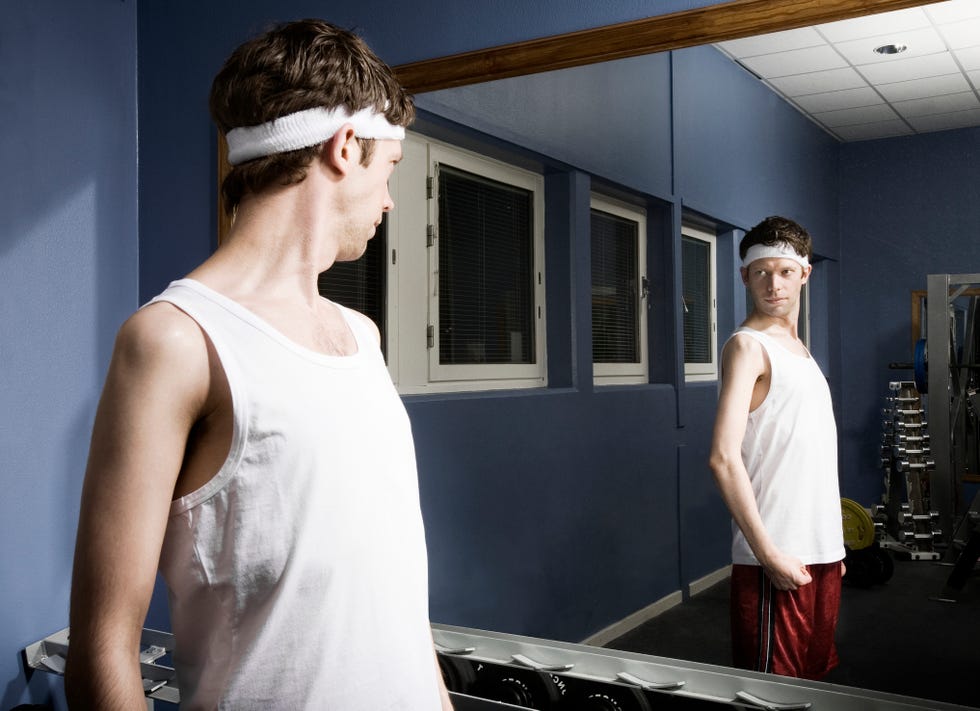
(550, 513)
(68, 273)
(909, 208)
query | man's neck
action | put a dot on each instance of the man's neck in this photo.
(780, 327)
(278, 245)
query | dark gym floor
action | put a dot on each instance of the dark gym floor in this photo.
(892, 637)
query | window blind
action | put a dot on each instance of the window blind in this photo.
(486, 297)
(696, 269)
(615, 293)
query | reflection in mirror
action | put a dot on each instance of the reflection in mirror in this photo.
(650, 128)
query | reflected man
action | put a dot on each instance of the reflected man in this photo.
(774, 458)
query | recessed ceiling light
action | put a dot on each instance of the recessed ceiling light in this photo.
(891, 49)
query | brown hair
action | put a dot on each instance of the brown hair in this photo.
(774, 230)
(292, 67)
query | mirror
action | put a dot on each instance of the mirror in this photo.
(466, 73)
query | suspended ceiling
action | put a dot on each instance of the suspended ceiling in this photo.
(833, 75)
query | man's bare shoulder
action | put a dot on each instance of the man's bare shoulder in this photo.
(161, 333)
(743, 355)
(742, 345)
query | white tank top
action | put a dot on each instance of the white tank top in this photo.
(790, 452)
(297, 575)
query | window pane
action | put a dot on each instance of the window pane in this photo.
(696, 266)
(361, 284)
(486, 300)
(615, 296)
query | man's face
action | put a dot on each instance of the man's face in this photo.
(368, 198)
(775, 285)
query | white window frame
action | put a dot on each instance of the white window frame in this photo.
(413, 297)
(637, 372)
(705, 371)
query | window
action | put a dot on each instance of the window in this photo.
(454, 275)
(619, 343)
(486, 295)
(699, 304)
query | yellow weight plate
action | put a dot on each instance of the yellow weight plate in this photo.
(859, 528)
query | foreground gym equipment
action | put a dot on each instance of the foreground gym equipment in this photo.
(492, 671)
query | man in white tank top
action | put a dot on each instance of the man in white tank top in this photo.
(774, 458)
(249, 439)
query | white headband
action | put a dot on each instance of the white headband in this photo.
(303, 129)
(780, 250)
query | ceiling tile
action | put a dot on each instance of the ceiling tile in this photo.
(943, 122)
(932, 65)
(874, 25)
(969, 58)
(865, 131)
(818, 82)
(918, 42)
(964, 33)
(773, 42)
(864, 114)
(856, 94)
(952, 11)
(945, 104)
(921, 88)
(835, 100)
(797, 61)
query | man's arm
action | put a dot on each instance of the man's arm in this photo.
(743, 363)
(155, 390)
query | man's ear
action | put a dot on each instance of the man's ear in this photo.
(342, 150)
(745, 275)
(806, 273)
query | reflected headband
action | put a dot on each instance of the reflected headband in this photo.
(304, 129)
(780, 250)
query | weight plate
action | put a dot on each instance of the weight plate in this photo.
(859, 528)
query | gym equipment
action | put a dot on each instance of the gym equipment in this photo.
(524, 672)
(866, 561)
(953, 378)
(159, 680)
(905, 519)
(946, 369)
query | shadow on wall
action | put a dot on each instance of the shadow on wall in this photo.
(68, 272)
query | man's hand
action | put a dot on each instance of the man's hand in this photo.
(787, 572)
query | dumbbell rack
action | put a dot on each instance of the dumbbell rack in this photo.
(494, 671)
(512, 672)
(907, 522)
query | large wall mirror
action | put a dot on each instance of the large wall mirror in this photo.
(714, 24)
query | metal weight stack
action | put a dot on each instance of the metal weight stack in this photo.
(907, 523)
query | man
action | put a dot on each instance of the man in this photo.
(774, 457)
(249, 438)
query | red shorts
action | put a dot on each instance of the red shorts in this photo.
(788, 632)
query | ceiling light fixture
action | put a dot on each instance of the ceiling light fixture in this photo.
(891, 49)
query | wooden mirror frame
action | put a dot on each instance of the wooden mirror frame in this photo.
(707, 25)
